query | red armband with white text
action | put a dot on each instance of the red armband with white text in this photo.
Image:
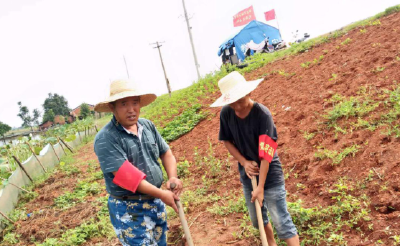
(128, 177)
(267, 147)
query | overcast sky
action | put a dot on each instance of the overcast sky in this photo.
(75, 47)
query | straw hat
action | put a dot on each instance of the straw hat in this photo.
(124, 88)
(233, 87)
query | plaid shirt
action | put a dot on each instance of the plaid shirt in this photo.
(114, 144)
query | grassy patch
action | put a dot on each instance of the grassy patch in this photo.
(313, 62)
(183, 169)
(319, 225)
(231, 205)
(308, 135)
(164, 109)
(351, 107)
(337, 156)
(182, 123)
(83, 189)
(346, 41)
(99, 226)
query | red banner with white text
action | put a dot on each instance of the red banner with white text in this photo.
(244, 17)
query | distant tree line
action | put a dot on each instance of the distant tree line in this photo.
(53, 105)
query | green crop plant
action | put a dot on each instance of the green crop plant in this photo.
(337, 239)
(182, 123)
(336, 98)
(392, 130)
(247, 230)
(20, 151)
(336, 156)
(364, 124)
(334, 77)
(351, 107)
(82, 190)
(214, 165)
(375, 23)
(300, 186)
(11, 238)
(338, 129)
(192, 198)
(283, 73)
(390, 119)
(378, 69)
(396, 239)
(363, 31)
(180, 101)
(305, 64)
(68, 169)
(99, 226)
(234, 204)
(322, 225)
(346, 41)
(183, 168)
(309, 135)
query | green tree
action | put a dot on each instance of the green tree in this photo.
(85, 110)
(26, 118)
(4, 128)
(57, 103)
(48, 116)
(36, 116)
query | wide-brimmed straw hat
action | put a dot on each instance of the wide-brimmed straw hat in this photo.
(125, 88)
(233, 87)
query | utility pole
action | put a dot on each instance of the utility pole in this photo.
(162, 64)
(191, 40)
(126, 67)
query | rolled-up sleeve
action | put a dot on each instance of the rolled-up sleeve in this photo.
(110, 154)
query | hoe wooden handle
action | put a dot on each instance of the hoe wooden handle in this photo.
(259, 215)
(183, 220)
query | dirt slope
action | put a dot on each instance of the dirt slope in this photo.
(307, 92)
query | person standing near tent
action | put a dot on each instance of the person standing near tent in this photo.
(128, 149)
(248, 132)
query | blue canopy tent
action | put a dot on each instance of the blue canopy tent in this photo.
(256, 31)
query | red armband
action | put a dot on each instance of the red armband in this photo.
(128, 177)
(267, 148)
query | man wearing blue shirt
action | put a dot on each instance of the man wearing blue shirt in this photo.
(128, 149)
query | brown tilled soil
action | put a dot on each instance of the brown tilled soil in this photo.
(305, 92)
(46, 220)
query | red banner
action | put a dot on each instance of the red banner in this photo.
(267, 148)
(244, 17)
(270, 15)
